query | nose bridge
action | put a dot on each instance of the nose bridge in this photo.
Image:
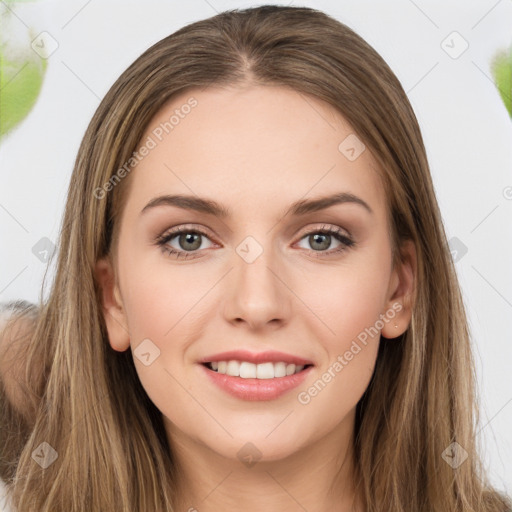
(258, 295)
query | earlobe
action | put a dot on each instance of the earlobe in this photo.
(401, 302)
(112, 306)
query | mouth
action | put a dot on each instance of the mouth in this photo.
(262, 371)
(250, 382)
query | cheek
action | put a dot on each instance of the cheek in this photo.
(351, 302)
(351, 343)
(157, 294)
(350, 308)
(158, 303)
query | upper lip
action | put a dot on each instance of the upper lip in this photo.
(256, 358)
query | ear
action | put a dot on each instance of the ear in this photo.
(401, 292)
(112, 306)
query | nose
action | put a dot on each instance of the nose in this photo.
(256, 293)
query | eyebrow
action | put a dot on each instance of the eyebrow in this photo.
(209, 206)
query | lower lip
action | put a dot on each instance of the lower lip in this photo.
(256, 389)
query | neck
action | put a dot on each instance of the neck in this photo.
(318, 477)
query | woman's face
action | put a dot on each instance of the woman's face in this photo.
(260, 278)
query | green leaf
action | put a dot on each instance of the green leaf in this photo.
(20, 84)
(501, 67)
(22, 72)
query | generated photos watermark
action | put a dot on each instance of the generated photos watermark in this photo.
(151, 142)
(305, 397)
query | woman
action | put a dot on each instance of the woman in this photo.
(348, 378)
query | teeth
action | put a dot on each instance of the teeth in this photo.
(247, 370)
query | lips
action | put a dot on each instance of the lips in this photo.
(256, 358)
(255, 389)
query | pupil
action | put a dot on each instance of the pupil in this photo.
(326, 240)
(189, 238)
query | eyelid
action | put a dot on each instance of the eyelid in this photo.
(324, 226)
(174, 230)
(330, 229)
(320, 226)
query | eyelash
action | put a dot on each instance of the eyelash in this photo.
(162, 241)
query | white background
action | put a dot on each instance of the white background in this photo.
(466, 128)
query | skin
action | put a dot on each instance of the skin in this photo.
(256, 150)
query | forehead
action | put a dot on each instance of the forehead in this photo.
(254, 146)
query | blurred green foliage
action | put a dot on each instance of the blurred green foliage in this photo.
(501, 68)
(22, 70)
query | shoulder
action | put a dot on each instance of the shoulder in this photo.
(4, 504)
(17, 320)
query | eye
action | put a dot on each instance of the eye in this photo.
(188, 241)
(321, 239)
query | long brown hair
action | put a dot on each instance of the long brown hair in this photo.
(109, 437)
